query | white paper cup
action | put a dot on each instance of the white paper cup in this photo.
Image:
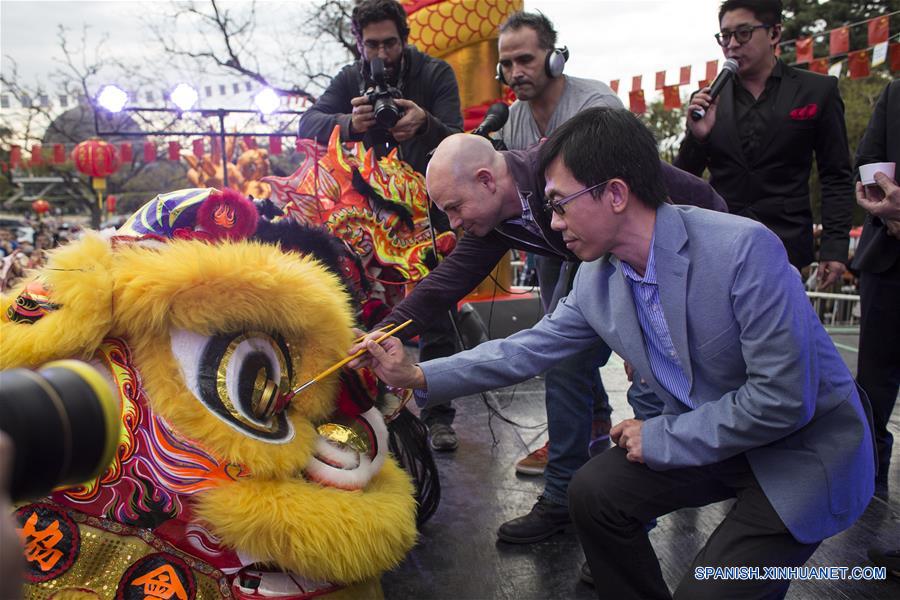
(867, 172)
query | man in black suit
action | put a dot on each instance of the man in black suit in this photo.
(759, 136)
(878, 260)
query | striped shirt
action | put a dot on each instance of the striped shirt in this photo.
(664, 360)
(527, 219)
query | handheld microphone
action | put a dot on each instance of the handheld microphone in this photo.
(728, 71)
(495, 118)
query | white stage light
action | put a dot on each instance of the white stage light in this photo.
(112, 98)
(184, 96)
(267, 101)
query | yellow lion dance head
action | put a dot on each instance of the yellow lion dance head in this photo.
(205, 316)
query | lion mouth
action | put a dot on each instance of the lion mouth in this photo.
(348, 453)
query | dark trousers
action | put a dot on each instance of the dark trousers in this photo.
(438, 341)
(878, 366)
(611, 500)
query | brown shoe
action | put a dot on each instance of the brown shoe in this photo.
(534, 463)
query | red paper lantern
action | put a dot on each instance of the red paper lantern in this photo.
(40, 206)
(95, 158)
(111, 204)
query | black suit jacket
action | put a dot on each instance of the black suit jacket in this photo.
(774, 189)
(877, 251)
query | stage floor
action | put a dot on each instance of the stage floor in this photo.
(459, 557)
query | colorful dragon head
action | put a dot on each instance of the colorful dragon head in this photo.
(378, 207)
(204, 316)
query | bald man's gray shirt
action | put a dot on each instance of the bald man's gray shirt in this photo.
(521, 130)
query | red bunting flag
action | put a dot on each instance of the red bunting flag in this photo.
(636, 82)
(125, 152)
(804, 50)
(660, 80)
(712, 67)
(275, 145)
(820, 65)
(37, 158)
(197, 147)
(250, 142)
(15, 157)
(859, 64)
(839, 41)
(671, 97)
(59, 154)
(614, 86)
(879, 30)
(705, 83)
(174, 150)
(636, 102)
(685, 75)
(149, 152)
(894, 57)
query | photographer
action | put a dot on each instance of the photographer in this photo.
(429, 100)
(424, 90)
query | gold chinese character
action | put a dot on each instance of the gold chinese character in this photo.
(40, 545)
(161, 584)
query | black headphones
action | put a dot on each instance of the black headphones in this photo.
(553, 65)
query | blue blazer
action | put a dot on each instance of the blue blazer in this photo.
(765, 377)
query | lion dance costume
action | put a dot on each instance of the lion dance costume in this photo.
(205, 315)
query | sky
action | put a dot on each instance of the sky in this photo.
(607, 39)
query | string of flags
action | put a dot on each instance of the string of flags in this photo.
(59, 154)
(882, 48)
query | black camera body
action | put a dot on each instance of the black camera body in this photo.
(381, 96)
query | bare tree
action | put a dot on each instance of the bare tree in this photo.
(230, 38)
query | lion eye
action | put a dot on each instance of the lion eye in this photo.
(239, 377)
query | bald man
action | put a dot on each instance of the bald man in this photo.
(498, 199)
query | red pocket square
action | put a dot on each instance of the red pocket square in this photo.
(805, 112)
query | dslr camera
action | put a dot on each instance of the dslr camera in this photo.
(64, 422)
(382, 95)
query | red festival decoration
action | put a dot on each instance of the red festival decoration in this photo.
(197, 146)
(149, 152)
(660, 80)
(95, 158)
(250, 141)
(40, 207)
(839, 41)
(37, 157)
(125, 152)
(894, 58)
(685, 75)
(879, 30)
(15, 157)
(174, 151)
(614, 86)
(804, 50)
(636, 102)
(59, 154)
(671, 97)
(274, 145)
(712, 67)
(636, 82)
(859, 64)
(98, 160)
(820, 65)
(111, 204)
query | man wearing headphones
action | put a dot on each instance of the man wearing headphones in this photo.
(532, 65)
(431, 111)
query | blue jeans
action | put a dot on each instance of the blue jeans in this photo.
(573, 392)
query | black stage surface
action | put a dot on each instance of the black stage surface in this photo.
(459, 557)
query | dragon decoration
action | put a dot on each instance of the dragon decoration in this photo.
(204, 315)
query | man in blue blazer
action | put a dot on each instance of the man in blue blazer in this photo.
(744, 394)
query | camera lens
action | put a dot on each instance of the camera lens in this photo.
(387, 113)
(64, 423)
